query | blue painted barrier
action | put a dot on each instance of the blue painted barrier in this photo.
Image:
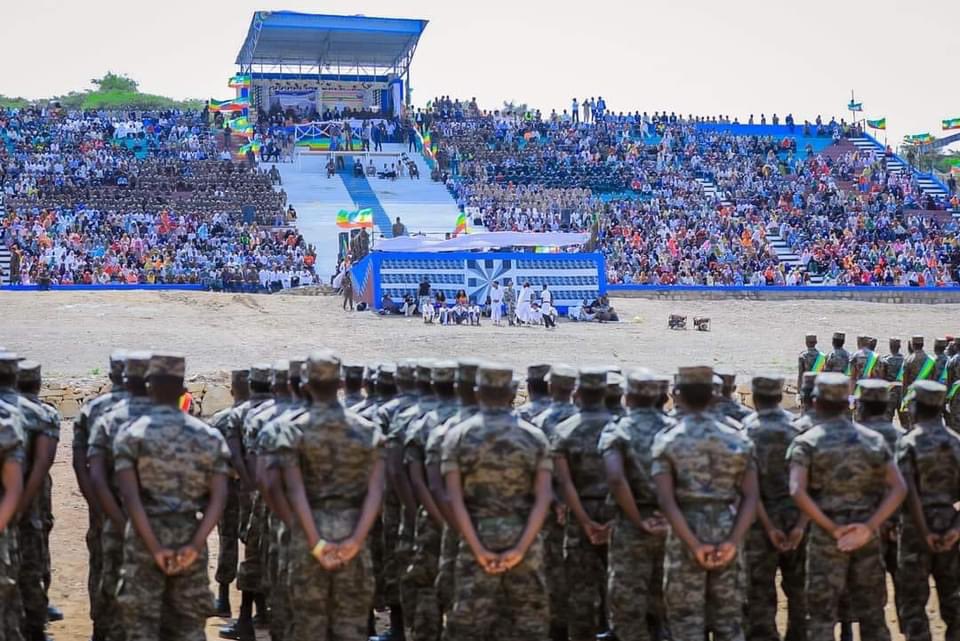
(776, 288)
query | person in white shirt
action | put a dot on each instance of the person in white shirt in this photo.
(523, 304)
(496, 303)
(546, 296)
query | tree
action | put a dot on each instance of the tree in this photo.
(115, 82)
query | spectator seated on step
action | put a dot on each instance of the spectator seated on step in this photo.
(331, 167)
(389, 172)
(358, 168)
(371, 169)
(388, 307)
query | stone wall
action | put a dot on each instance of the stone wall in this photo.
(929, 296)
(210, 395)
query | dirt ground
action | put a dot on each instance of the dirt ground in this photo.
(71, 334)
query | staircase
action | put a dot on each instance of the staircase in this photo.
(4, 265)
(711, 189)
(363, 195)
(787, 256)
(929, 186)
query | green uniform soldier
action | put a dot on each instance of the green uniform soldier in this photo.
(858, 360)
(12, 458)
(42, 436)
(892, 367)
(101, 459)
(953, 388)
(843, 478)
(614, 395)
(810, 360)
(497, 471)
(538, 392)
(420, 577)
(89, 413)
(635, 557)
(170, 466)
(433, 455)
(562, 382)
(352, 385)
(940, 357)
(838, 360)
(917, 366)
(582, 479)
(808, 414)
(707, 489)
(929, 458)
(774, 541)
(384, 390)
(333, 470)
(228, 529)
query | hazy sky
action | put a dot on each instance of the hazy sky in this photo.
(693, 56)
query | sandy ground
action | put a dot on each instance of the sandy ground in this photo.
(72, 334)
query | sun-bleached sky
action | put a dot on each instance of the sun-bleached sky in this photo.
(707, 57)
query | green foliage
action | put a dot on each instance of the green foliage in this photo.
(114, 82)
(9, 102)
(111, 92)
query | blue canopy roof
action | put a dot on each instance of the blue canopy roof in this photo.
(287, 37)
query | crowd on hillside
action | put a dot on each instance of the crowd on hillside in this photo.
(113, 198)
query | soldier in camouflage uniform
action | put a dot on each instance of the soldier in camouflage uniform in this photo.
(941, 358)
(383, 389)
(497, 470)
(100, 455)
(582, 479)
(252, 509)
(42, 437)
(538, 392)
(614, 395)
(810, 359)
(228, 529)
(635, 558)
(953, 388)
(352, 385)
(843, 477)
(774, 541)
(563, 380)
(892, 372)
(89, 413)
(727, 405)
(170, 467)
(420, 577)
(807, 416)
(858, 360)
(929, 458)
(433, 454)
(369, 388)
(707, 489)
(333, 470)
(12, 458)
(838, 360)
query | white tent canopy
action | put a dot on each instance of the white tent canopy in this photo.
(483, 240)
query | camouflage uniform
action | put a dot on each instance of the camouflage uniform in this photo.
(585, 563)
(424, 618)
(708, 461)
(941, 358)
(175, 457)
(727, 405)
(335, 450)
(953, 392)
(846, 463)
(891, 366)
(497, 455)
(839, 359)
(228, 528)
(929, 456)
(635, 559)
(807, 359)
(771, 431)
(102, 438)
(11, 449)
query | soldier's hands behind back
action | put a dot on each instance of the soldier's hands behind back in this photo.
(488, 561)
(166, 560)
(794, 539)
(655, 526)
(599, 534)
(509, 560)
(949, 539)
(186, 556)
(934, 542)
(723, 555)
(778, 539)
(853, 537)
(703, 553)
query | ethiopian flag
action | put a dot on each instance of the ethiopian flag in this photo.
(877, 124)
(461, 227)
(239, 81)
(951, 123)
(355, 219)
(918, 139)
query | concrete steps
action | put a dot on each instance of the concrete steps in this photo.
(711, 189)
(788, 257)
(4, 265)
(928, 185)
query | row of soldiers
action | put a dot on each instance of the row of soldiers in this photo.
(29, 433)
(579, 512)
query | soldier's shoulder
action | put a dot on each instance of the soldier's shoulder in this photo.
(532, 431)
(200, 427)
(870, 436)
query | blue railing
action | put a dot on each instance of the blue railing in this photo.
(777, 288)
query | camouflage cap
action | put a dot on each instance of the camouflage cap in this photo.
(173, 365)
(353, 372)
(406, 371)
(696, 375)
(444, 372)
(261, 373)
(809, 381)
(386, 374)
(239, 376)
(717, 382)
(8, 364)
(592, 378)
(940, 343)
(281, 372)
(136, 365)
(467, 371)
(916, 339)
(370, 373)
(728, 377)
(643, 382)
(322, 366)
(614, 383)
(862, 338)
(562, 377)
(664, 383)
(767, 385)
(839, 336)
(28, 372)
(872, 389)
(537, 372)
(832, 386)
(929, 393)
(423, 371)
(895, 341)
(810, 337)
(494, 376)
(296, 367)
(117, 357)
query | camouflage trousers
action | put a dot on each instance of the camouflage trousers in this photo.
(47, 502)
(445, 584)
(228, 533)
(277, 579)
(391, 564)
(329, 606)
(585, 567)
(916, 565)
(95, 565)
(11, 607)
(763, 561)
(111, 543)
(506, 607)
(421, 606)
(697, 600)
(634, 582)
(376, 553)
(402, 555)
(30, 581)
(154, 605)
(250, 573)
(555, 571)
(893, 405)
(830, 573)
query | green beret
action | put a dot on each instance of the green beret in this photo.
(137, 365)
(832, 386)
(173, 365)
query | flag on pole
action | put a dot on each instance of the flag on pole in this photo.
(355, 219)
(878, 124)
(951, 123)
(239, 81)
(461, 227)
(918, 139)
(855, 106)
